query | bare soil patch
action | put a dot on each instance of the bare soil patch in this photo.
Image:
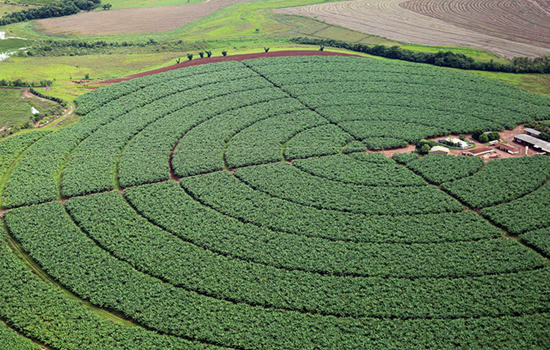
(242, 57)
(131, 21)
(393, 20)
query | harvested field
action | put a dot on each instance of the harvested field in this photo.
(526, 21)
(507, 32)
(132, 21)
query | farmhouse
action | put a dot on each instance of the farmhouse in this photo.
(480, 151)
(532, 132)
(439, 150)
(533, 142)
(457, 141)
(507, 148)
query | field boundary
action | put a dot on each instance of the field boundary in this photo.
(241, 57)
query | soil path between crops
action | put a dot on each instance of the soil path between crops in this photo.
(201, 61)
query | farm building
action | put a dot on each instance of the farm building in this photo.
(480, 151)
(459, 142)
(439, 150)
(532, 132)
(533, 142)
(507, 148)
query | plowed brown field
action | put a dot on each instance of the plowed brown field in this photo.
(526, 21)
(132, 21)
(508, 28)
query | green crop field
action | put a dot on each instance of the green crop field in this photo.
(233, 206)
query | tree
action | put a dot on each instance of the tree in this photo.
(201, 54)
(224, 53)
(493, 136)
(178, 60)
(189, 56)
(87, 76)
(107, 6)
(321, 48)
(266, 49)
(483, 138)
(208, 53)
(425, 149)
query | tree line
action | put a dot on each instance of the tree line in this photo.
(22, 83)
(441, 58)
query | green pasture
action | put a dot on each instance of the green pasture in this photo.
(9, 8)
(17, 110)
(13, 44)
(63, 71)
(537, 83)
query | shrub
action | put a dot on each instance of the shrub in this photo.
(484, 138)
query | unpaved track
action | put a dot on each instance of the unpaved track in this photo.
(132, 21)
(387, 18)
(241, 57)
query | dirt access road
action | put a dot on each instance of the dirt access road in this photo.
(131, 21)
(520, 29)
(67, 112)
(201, 61)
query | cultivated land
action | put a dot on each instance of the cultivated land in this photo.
(521, 29)
(526, 21)
(132, 21)
(227, 206)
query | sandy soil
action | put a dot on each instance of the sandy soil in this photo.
(131, 21)
(200, 61)
(390, 19)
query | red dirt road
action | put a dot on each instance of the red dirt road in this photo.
(200, 61)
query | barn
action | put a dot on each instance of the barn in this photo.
(533, 142)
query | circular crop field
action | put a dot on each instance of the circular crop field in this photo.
(233, 205)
